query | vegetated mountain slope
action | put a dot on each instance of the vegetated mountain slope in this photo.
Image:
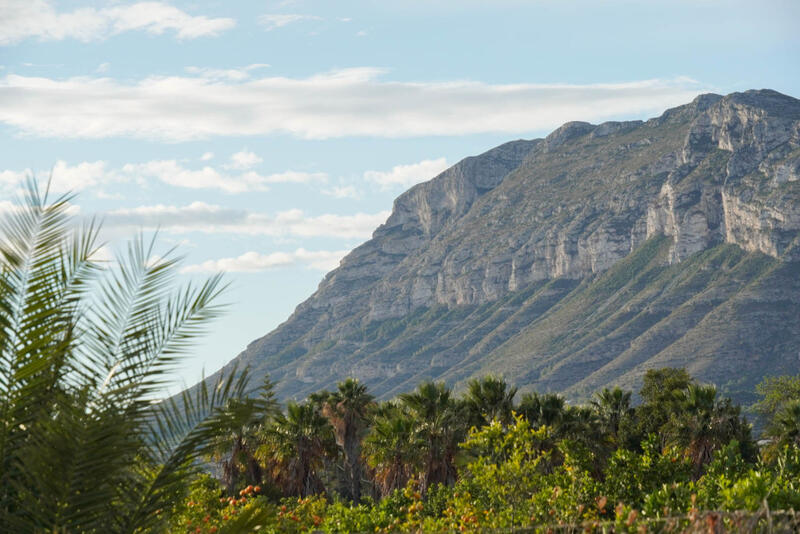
(573, 262)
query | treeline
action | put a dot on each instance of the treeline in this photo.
(432, 460)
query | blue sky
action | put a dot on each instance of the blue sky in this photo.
(269, 138)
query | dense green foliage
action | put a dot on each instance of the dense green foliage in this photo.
(431, 461)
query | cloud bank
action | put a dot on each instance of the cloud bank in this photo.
(214, 219)
(85, 175)
(252, 262)
(23, 19)
(350, 102)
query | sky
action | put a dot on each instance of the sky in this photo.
(267, 139)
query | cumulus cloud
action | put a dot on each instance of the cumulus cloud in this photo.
(407, 175)
(207, 156)
(244, 160)
(273, 21)
(342, 191)
(22, 19)
(350, 102)
(65, 177)
(251, 262)
(214, 219)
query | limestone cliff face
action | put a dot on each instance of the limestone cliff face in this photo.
(717, 171)
(716, 166)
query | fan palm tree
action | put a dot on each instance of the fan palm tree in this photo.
(393, 449)
(489, 399)
(612, 407)
(235, 448)
(441, 425)
(542, 410)
(706, 424)
(347, 409)
(84, 352)
(296, 445)
(785, 427)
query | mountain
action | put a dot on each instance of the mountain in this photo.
(574, 262)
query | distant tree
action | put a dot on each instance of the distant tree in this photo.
(296, 445)
(489, 399)
(613, 406)
(547, 409)
(393, 447)
(704, 425)
(663, 386)
(776, 392)
(235, 448)
(784, 427)
(348, 409)
(441, 425)
(663, 393)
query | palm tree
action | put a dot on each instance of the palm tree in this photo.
(488, 399)
(705, 425)
(441, 425)
(296, 445)
(542, 410)
(393, 448)
(612, 406)
(785, 426)
(84, 352)
(347, 409)
(235, 449)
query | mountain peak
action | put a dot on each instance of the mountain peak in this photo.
(772, 102)
(566, 132)
(574, 262)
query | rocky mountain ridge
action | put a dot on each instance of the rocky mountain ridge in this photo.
(537, 223)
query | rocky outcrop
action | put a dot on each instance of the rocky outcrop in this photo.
(718, 171)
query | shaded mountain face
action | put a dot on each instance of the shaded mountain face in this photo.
(574, 262)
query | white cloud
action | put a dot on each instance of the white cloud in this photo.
(7, 207)
(251, 262)
(213, 219)
(173, 173)
(10, 179)
(66, 177)
(295, 177)
(350, 102)
(237, 74)
(407, 175)
(207, 156)
(273, 21)
(108, 196)
(103, 67)
(22, 19)
(244, 160)
(343, 191)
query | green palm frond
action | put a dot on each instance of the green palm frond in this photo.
(84, 352)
